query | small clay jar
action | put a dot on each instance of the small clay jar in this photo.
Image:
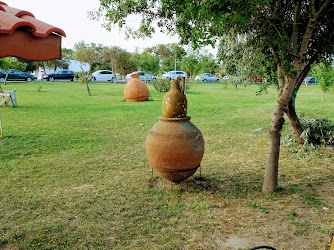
(174, 104)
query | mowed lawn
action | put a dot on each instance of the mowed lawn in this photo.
(74, 173)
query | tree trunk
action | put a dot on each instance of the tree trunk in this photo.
(114, 74)
(86, 82)
(270, 183)
(294, 120)
(5, 83)
(323, 96)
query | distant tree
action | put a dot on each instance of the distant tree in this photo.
(31, 66)
(4, 64)
(110, 54)
(170, 55)
(86, 53)
(11, 63)
(208, 63)
(42, 64)
(117, 59)
(124, 62)
(148, 63)
(55, 64)
(324, 73)
(67, 53)
(160, 51)
(191, 63)
(168, 64)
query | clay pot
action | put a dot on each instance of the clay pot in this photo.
(175, 102)
(175, 148)
(136, 90)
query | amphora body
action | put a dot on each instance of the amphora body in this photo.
(175, 148)
(136, 90)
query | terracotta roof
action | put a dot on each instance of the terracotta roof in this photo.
(12, 19)
(23, 36)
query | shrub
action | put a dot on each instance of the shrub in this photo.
(164, 85)
(316, 131)
(79, 76)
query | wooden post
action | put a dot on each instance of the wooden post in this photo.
(1, 132)
(5, 101)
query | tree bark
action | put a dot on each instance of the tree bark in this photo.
(87, 87)
(291, 108)
(294, 120)
(6, 78)
(114, 73)
(270, 183)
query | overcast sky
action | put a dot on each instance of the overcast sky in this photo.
(71, 16)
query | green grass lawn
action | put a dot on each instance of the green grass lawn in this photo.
(74, 173)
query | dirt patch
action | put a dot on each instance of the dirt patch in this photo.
(235, 242)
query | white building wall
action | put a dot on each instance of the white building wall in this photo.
(73, 65)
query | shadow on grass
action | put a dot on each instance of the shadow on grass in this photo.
(233, 185)
(237, 186)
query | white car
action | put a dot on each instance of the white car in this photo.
(146, 77)
(104, 76)
(226, 78)
(207, 77)
(174, 74)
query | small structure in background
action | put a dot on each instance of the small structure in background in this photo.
(73, 65)
(23, 36)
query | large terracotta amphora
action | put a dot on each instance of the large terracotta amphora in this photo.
(175, 102)
(136, 90)
(175, 148)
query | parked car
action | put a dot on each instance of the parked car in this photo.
(174, 74)
(16, 75)
(142, 76)
(258, 79)
(226, 78)
(60, 75)
(207, 77)
(104, 76)
(310, 80)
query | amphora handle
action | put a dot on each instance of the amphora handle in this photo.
(183, 80)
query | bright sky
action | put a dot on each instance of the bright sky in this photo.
(71, 16)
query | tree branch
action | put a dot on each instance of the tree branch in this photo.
(307, 36)
(323, 7)
(303, 73)
(273, 47)
(295, 31)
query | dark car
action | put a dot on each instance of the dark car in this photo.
(16, 75)
(60, 75)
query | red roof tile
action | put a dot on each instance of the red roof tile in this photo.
(12, 19)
